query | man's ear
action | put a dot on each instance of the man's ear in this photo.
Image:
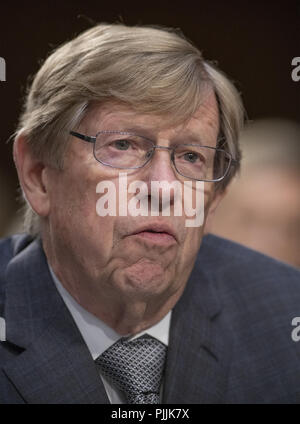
(217, 197)
(32, 176)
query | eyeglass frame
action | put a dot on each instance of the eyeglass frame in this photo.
(92, 139)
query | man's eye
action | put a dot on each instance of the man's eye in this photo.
(191, 157)
(122, 144)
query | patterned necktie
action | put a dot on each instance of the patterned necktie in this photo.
(135, 367)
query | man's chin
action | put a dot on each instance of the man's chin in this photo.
(144, 278)
(137, 251)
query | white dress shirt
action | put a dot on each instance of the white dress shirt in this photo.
(99, 337)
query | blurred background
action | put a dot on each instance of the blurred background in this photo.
(253, 42)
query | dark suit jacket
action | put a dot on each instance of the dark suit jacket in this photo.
(230, 337)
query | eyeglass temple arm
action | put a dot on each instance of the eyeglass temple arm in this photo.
(83, 137)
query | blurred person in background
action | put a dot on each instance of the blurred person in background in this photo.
(262, 206)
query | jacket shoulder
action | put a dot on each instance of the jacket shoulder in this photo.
(247, 280)
(228, 258)
(10, 247)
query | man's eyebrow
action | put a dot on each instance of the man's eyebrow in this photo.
(179, 138)
(188, 137)
(138, 130)
(191, 139)
(127, 126)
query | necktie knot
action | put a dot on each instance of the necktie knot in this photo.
(135, 367)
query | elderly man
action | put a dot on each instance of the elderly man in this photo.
(100, 305)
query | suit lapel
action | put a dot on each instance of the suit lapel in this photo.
(199, 351)
(55, 365)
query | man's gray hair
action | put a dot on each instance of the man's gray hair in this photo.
(152, 69)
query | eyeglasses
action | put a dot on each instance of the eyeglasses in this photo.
(124, 150)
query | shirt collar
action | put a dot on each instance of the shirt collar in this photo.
(97, 335)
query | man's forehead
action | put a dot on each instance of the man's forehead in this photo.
(120, 116)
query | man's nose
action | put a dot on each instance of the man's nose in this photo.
(160, 169)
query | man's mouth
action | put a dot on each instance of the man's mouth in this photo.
(156, 233)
